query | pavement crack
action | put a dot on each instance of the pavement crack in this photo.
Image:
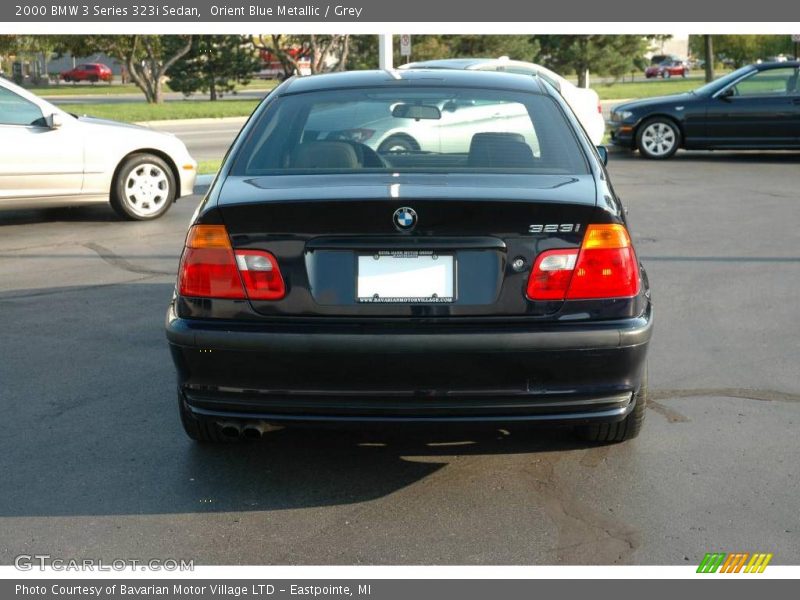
(604, 539)
(81, 288)
(673, 416)
(119, 262)
(742, 393)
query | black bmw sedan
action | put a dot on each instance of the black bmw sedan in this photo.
(754, 108)
(483, 273)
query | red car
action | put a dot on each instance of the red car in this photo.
(667, 69)
(88, 72)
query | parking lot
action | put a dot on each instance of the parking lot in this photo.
(95, 463)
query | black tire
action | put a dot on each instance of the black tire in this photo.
(66, 79)
(200, 430)
(609, 433)
(647, 138)
(163, 197)
(398, 143)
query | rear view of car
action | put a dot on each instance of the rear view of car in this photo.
(486, 276)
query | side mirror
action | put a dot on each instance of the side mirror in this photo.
(54, 121)
(726, 93)
(603, 152)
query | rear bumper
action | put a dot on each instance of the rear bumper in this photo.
(410, 372)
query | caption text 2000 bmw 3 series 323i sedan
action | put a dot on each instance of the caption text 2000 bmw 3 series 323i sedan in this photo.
(480, 271)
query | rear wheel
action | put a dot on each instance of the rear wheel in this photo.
(143, 188)
(624, 430)
(658, 138)
(398, 143)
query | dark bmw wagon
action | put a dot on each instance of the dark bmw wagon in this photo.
(411, 246)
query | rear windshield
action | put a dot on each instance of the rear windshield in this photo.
(441, 130)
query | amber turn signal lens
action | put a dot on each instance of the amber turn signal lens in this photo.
(208, 236)
(609, 236)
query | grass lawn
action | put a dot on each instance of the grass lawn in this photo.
(115, 89)
(208, 167)
(140, 111)
(85, 89)
(646, 89)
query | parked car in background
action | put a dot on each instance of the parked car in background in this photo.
(585, 103)
(92, 72)
(755, 107)
(667, 68)
(488, 281)
(49, 157)
(382, 130)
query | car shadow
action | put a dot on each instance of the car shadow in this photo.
(715, 156)
(90, 213)
(91, 424)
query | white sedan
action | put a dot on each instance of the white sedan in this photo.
(49, 157)
(585, 103)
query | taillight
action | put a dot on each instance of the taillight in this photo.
(211, 269)
(354, 135)
(604, 267)
(549, 279)
(260, 274)
(599, 108)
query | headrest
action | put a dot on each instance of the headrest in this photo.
(499, 149)
(324, 155)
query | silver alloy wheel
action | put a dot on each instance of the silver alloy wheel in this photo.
(146, 189)
(659, 139)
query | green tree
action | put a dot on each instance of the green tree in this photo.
(38, 46)
(148, 58)
(602, 54)
(740, 50)
(214, 65)
(325, 53)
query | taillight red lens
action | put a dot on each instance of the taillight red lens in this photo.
(260, 274)
(551, 273)
(210, 268)
(209, 273)
(605, 273)
(605, 267)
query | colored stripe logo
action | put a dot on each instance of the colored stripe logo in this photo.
(735, 562)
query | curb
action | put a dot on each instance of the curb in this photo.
(203, 121)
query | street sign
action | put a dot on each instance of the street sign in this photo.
(405, 45)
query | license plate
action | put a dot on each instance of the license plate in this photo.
(405, 277)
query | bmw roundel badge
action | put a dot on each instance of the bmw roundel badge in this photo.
(405, 219)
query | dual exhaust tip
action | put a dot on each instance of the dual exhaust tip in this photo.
(249, 430)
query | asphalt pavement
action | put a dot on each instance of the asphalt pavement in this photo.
(95, 463)
(206, 139)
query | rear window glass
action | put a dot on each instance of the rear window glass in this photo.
(410, 130)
